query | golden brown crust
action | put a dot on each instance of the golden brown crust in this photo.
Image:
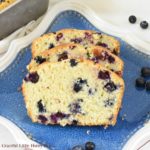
(63, 46)
(69, 31)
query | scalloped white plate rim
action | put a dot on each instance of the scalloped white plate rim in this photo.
(139, 139)
(16, 45)
(18, 135)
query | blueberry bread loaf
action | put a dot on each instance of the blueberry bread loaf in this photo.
(97, 54)
(73, 92)
(5, 3)
(83, 37)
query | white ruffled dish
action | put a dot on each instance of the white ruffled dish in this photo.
(15, 139)
(112, 21)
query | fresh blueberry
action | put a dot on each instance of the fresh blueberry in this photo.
(76, 40)
(59, 36)
(140, 82)
(132, 19)
(42, 118)
(73, 62)
(103, 75)
(148, 86)
(51, 45)
(144, 24)
(63, 56)
(39, 59)
(89, 146)
(109, 102)
(145, 72)
(40, 106)
(110, 86)
(78, 147)
(33, 77)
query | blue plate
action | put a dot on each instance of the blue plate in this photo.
(136, 103)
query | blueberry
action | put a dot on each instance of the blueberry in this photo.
(132, 19)
(77, 87)
(78, 147)
(76, 40)
(148, 86)
(59, 36)
(75, 107)
(144, 24)
(89, 146)
(63, 56)
(115, 51)
(92, 91)
(88, 35)
(106, 56)
(72, 47)
(73, 62)
(57, 116)
(39, 59)
(51, 45)
(42, 118)
(145, 72)
(140, 82)
(40, 106)
(74, 122)
(102, 44)
(96, 59)
(109, 102)
(79, 84)
(110, 86)
(111, 59)
(103, 75)
(82, 81)
(33, 77)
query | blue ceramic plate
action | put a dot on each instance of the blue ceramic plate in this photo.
(136, 102)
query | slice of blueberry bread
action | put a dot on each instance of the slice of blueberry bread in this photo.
(83, 37)
(97, 54)
(5, 3)
(73, 92)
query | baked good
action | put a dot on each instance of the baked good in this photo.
(98, 54)
(74, 92)
(83, 37)
(5, 3)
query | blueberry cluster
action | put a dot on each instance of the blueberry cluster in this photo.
(88, 146)
(143, 24)
(141, 82)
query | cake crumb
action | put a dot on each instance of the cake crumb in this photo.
(19, 89)
(88, 132)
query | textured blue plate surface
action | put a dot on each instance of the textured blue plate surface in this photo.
(136, 103)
